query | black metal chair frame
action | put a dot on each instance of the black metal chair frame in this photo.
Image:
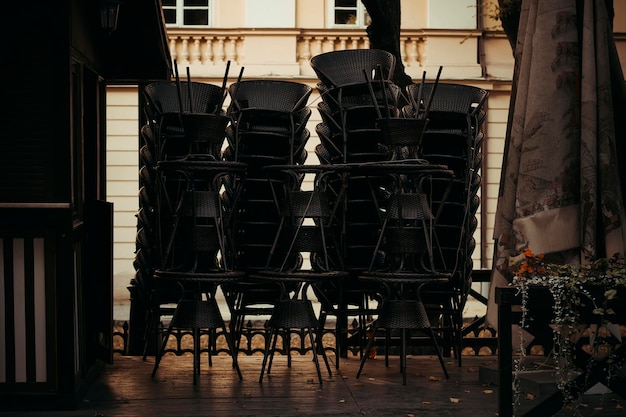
(409, 213)
(196, 222)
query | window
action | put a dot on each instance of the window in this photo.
(348, 13)
(187, 13)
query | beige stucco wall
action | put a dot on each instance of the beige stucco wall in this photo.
(310, 14)
(228, 14)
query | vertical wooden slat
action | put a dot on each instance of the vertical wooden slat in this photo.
(3, 318)
(19, 314)
(29, 309)
(7, 254)
(39, 297)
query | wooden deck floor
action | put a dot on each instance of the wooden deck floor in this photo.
(125, 388)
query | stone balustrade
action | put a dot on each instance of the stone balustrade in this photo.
(206, 51)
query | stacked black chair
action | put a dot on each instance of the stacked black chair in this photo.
(454, 137)
(295, 237)
(356, 91)
(167, 101)
(147, 248)
(408, 251)
(196, 256)
(356, 88)
(184, 218)
(268, 128)
(269, 121)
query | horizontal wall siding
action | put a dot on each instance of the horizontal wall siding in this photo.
(497, 114)
(123, 181)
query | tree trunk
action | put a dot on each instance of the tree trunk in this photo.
(384, 33)
(509, 13)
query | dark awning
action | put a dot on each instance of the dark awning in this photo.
(138, 49)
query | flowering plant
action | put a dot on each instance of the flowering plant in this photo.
(585, 301)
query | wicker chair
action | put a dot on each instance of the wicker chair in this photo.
(166, 101)
(454, 137)
(205, 133)
(195, 251)
(269, 107)
(164, 97)
(342, 68)
(403, 136)
(453, 106)
(261, 148)
(294, 237)
(408, 251)
(461, 152)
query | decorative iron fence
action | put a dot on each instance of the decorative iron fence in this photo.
(479, 340)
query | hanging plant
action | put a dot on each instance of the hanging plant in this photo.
(585, 302)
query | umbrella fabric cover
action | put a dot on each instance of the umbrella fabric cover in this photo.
(560, 192)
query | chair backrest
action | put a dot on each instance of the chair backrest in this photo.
(345, 67)
(166, 97)
(273, 95)
(205, 132)
(449, 97)
(401, 131)
(197, 236)
(409, 211)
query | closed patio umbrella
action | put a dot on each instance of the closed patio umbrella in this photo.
(560, 190)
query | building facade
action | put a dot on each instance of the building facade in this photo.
(277, 38)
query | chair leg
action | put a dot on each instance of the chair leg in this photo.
(236, 329)
(210, 344)
(196, 354)
(439, 355)
(270, 345)
(387, 344)
(458, 340)
(367, 348)
(315, 358)
(276, 333)
(161, 350)
(150, 327)
(320, 346)
(287, 345)
(320, 332)
(403, 354)
(233, 351)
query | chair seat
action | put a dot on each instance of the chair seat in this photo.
(192, 314)
(294, 314)
(213, 277)
(403, 314)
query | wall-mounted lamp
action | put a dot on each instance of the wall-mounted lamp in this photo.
(109, 12)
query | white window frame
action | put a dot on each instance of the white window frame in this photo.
(180, 9)
(360, 18)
